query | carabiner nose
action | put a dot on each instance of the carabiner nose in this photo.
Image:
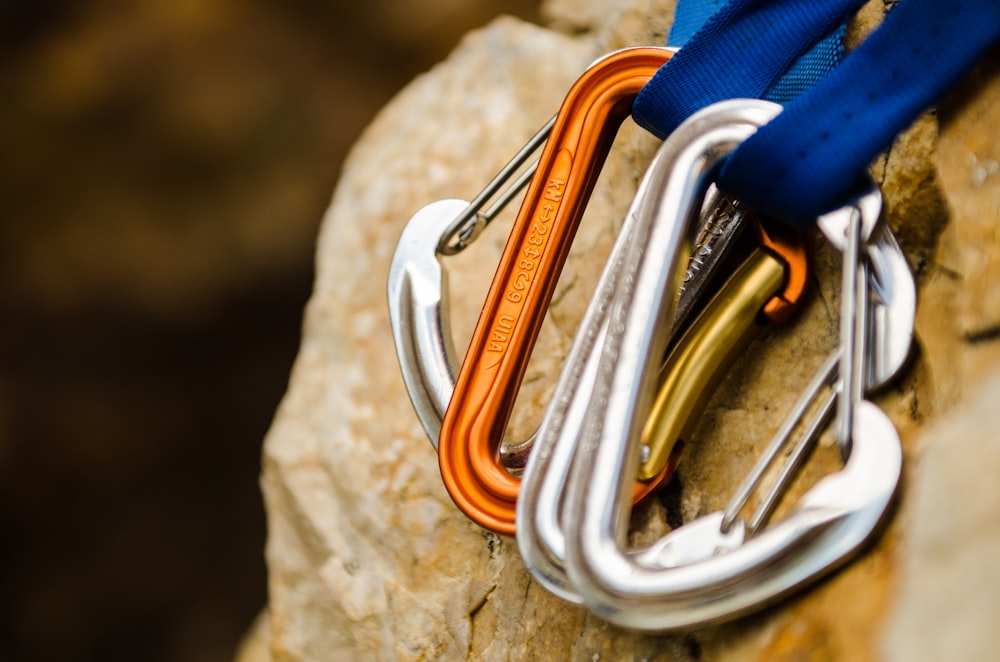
(515, 306)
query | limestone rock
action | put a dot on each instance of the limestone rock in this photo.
(950, 580)
(368, 557)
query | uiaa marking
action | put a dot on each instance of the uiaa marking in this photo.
(501, 333)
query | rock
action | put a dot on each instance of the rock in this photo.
(949, 591)
(368, 557)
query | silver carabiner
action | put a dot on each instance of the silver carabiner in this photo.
(540, 515)
(702, 584)
(540, 536)
(418, 284)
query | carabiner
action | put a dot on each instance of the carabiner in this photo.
(767, 287)
(700, 574)
(515, 306)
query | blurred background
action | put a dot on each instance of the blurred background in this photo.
(164, 165)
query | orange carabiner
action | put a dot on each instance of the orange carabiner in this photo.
(518, 298)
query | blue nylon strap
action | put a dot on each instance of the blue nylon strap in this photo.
(743, 50)
(807, 160)
(811, 67)
(689, 17)
(815, 63)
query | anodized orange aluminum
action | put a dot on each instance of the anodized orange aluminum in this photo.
(522, 288)
(795, 249)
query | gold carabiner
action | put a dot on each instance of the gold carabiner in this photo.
(767, 286)
(515, 306)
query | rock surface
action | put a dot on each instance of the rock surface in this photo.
(368, 557)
